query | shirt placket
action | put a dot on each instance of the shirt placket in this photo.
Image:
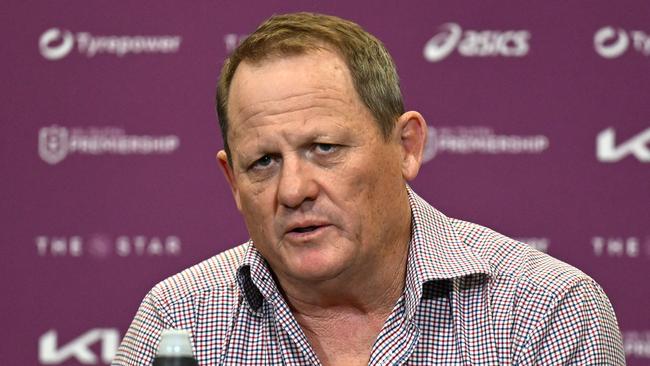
(295, 348)
(473, 321)
(397, 339)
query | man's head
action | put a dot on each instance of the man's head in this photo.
(320, 183)
(373, 72)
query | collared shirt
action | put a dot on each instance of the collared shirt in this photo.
(471, 297)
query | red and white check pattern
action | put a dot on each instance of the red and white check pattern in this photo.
(472, 297)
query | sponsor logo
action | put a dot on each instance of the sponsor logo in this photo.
(611, 42)
(56, 142)
(636, 344)
(53, 144)
(539, 243)
(474, 43)
(232, 40)
(55, 44)
(81, 348)
(480, 140)
(621, 247)
(608, 152)
(102, 246)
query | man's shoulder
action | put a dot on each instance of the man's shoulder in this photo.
(511, 259)
(215, 274)
(544, 303)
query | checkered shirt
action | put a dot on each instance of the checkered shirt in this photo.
(471, 297)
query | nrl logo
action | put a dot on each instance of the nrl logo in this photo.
(53, 144)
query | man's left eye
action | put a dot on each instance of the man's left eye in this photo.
(325, 148)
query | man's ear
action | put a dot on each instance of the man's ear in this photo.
(412, 133)
(226, 169)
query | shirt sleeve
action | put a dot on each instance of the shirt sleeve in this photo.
(138, 348)
(579, 328)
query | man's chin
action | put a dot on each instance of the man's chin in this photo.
(315, 270)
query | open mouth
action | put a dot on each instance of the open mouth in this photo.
(305, 229)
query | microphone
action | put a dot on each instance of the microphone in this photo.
(175, 349)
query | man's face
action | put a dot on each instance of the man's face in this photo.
(318, 186)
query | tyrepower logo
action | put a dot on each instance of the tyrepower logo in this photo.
(55, 143)
(480, 140)
(609, 151)
(55, 44)
(81, 349)
(611, 42)
(474, 43)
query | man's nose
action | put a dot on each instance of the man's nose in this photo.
(296, 184)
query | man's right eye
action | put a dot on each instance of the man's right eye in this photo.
(262, 162)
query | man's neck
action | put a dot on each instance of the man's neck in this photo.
(343, 317)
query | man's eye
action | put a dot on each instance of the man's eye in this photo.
(262, 162)
(325, 148)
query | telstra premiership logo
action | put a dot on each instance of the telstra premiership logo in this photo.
(57, 142)
(465, 140)
(473, 43)
(610, 42)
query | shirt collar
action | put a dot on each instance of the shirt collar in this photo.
(435, 253)
(254, 278)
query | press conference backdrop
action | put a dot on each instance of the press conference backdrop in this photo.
(539, 127)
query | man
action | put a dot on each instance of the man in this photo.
(346, 264)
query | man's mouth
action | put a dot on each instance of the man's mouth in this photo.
(305, 229)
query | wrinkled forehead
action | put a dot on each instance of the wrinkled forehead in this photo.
(281, 53)
(270, 86)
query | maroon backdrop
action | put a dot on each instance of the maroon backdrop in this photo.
(538, 112)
